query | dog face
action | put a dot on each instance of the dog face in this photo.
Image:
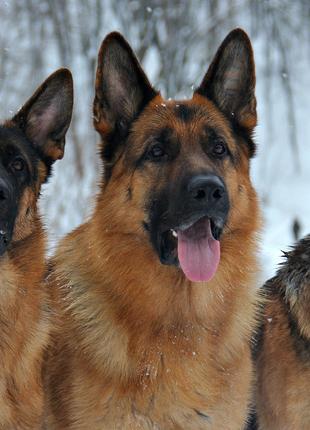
(178, 171)
(29, 144)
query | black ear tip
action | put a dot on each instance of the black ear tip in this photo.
(114, 36)
(60, 78)
(238, 35)
(64, 75)
(113, 41)
(239, 32)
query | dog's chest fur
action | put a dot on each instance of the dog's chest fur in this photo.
(165, 391)
(24, 334)
(190, 374)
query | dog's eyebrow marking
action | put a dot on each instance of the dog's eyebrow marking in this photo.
(211, 136)
(184, 112)
(165, 137)
(164, 134)
(203, 416)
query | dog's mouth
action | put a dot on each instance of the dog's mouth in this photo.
(193, 245)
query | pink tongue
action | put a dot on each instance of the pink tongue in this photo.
(198, 251)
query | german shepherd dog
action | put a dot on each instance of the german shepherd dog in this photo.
(29, 143)
(283, 361)
(156, 292)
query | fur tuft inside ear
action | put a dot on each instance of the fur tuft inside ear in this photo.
(122, 89)
(230, 80)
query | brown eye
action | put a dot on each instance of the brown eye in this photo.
(219, 149)
(18, 164)
(156, 153)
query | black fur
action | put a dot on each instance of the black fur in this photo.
(184, 112)
(252, 422)
(14, 147)
(293, 277)
(295, 269)
(244, 136)
(203, 416)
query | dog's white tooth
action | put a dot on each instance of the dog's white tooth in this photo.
(174, 233)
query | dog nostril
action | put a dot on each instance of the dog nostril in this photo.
(200, 194)
(217, 194)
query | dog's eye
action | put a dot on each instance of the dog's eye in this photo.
(219, 149)
(156, 153)
(18, 164)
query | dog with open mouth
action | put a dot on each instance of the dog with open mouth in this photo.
(156, 293)
(30, 143)
(192, 239)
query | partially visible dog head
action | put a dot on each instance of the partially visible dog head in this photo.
(178, 171)
(29, 144)
(293, 280)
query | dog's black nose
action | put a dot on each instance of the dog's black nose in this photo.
(206, 188)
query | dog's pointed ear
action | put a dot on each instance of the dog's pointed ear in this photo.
(46, 116)
(122, 89)
(230, 80)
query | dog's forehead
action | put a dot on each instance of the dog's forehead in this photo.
(9, 138)
(13, 141)
(182, 115)
(187, 121)
(179, 109)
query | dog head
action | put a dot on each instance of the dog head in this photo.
(178, 171)
(29, 144)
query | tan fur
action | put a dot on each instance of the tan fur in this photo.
(283, 360)
(24, 323)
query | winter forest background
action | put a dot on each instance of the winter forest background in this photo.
(175, 41)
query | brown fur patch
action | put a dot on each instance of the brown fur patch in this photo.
(24, 224)
(24, 326)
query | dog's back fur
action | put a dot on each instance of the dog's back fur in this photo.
(283, 360)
